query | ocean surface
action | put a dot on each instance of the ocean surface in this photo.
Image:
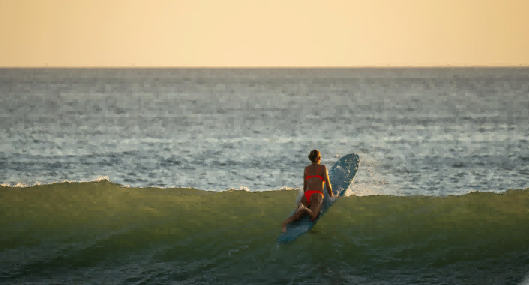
(183, 176)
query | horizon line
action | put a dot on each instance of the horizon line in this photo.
(265, 67)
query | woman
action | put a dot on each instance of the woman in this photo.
(313, 198)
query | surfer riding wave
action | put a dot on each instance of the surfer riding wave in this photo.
(312, 199)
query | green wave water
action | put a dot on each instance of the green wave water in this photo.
(102, 233)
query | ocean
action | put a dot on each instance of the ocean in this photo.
(183, 176)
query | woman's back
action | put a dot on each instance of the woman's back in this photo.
(314, 176)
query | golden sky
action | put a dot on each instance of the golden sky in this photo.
(263, 33)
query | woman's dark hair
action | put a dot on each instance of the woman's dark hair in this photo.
(314, 155)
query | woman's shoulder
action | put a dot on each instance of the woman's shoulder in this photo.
(319, 166)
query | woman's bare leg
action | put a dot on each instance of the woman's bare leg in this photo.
(299, 212)
(313, 214)
(297, 215)
(315, 205)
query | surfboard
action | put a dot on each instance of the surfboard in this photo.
(341, 176)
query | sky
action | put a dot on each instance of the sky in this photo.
(263, 33)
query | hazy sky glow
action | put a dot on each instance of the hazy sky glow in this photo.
(270, 33)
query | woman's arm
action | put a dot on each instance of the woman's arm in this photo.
(326, 177)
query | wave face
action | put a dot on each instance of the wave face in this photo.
(102, 233)
(418, 131)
